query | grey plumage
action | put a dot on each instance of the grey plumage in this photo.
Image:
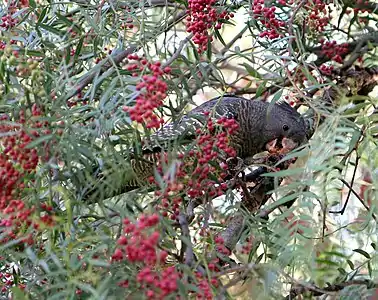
(259, 123)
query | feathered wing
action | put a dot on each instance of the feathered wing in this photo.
(171, 136)
(143, 160)
(182, 132)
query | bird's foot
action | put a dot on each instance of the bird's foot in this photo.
(235, 165)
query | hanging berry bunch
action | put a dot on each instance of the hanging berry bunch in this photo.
(200, 172)
(152, 91)
(203, 15)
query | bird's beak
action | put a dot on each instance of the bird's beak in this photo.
(282, 146)
(288, 145)
(271, 146)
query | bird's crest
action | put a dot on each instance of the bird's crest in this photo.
(284, 105)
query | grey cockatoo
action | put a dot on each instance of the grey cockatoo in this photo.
(260, 124)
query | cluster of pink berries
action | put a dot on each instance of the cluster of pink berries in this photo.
(210, 147)
(18, 164)
(318, 17)
(139, 245)
(7, 279)
(247, 246)
(194, 171)
(326, 70)
(267, 17)
(152, 91)
(202, 16)
(18, 3)
(204, 287)
(334, 51)
(8, 21)
(360, 9)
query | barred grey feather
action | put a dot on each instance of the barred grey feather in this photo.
(259, 123)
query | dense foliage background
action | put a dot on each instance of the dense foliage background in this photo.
(83, 82)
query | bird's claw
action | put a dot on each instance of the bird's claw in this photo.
(235, 165)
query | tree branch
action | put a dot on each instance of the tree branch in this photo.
(106, 66)
(301, 288)
(353, 47)
(178, 51)
(109, 63)
(186, 246)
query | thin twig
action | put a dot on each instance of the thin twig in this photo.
(350, 190)
(291, 27)
(109, 62)
(234, 40)
(186, 245)
(150, 3)
(300, 288)
(364, 40)
(178, 51)
(88, 78)
(358, 196)
(248, 268)
(356, 54)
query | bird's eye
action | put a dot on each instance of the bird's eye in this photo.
(285, 127)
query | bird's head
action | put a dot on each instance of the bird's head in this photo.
(285, 124)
